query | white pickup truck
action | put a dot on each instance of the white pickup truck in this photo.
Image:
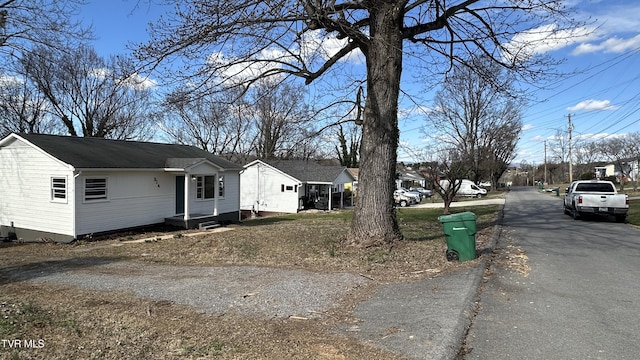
(595, 197)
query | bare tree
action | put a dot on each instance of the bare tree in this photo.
(586, 154)
(91, 96)
(623, 152)
(480, 117)
(22, 108)
(26, 24)
(280, 115)
(217, 123)
(559, 148)
(447, 174)
(243, 41)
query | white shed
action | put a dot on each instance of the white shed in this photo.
(65, 188)
(288, 186)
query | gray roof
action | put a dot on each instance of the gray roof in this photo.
(98, 153)
(308, 171)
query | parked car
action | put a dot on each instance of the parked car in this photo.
(402, 199)
(425, 193)
(413, 194)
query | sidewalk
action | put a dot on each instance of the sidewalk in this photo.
(462, 203)
(425, 319)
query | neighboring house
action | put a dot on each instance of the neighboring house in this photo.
(288, 186)
(353, 187)
(65, 188)
(631, 170)
(408, 178)
(602, 172)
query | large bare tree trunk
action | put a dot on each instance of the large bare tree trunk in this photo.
(374, 220)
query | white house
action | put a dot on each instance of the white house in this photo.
(65, 188)
(288, 186)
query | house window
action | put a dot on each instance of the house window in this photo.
(205, 187)
(59, 189)
(221, 186)
(95, 189)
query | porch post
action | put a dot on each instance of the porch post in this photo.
(330, 198)
(187, 181)
(216, 194)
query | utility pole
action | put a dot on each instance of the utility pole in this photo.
(570, 157)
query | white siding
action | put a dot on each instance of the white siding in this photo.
(229, 203)
(262, 190)
(134, 199)
(143, 198)
(343, 178)
(25, 190)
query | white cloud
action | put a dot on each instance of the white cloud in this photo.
(526, 127)
(593, 105)
(99, 73)
(138, 82)
(312, 45)
(611, 45)
(9, 80)
(542, 40)
(240, 71)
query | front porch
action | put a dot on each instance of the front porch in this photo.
(195, 221)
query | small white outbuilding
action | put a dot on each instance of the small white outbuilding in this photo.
(288, 186)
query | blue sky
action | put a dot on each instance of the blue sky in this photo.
(602, 98)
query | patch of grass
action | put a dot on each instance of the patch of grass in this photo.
(83, 324)
(633, 216)
(423, 224)
(249, 250)
(213, 349)
(15, 315)
(380, 256)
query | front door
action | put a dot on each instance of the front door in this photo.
(179, 195)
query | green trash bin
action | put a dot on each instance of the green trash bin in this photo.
(460, 232)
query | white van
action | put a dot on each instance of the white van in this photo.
(467, 188)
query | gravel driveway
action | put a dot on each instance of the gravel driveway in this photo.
(244, 290)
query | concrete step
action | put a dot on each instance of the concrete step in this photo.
(208, 225)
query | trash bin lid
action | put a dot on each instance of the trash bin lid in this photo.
(463, 216)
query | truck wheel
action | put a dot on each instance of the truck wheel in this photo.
(566, 210)
(621, 218)
(478, 196)
(403, 203)
(576, 214)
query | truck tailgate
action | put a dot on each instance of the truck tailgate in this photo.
(604, 200)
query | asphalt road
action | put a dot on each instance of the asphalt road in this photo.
(569, 289)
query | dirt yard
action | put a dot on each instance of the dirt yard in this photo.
(48, 320)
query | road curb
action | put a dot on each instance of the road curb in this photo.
(472, 299)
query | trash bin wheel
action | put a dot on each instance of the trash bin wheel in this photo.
(452, 256)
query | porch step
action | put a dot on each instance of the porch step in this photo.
(208, 225)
